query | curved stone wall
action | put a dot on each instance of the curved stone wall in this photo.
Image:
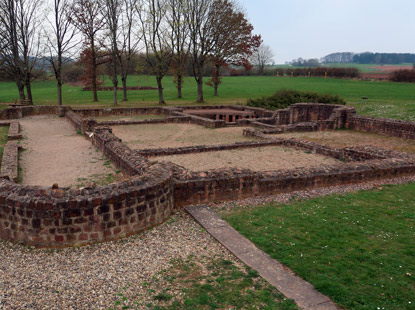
(47, 217)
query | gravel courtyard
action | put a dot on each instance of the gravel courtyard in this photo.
(176, 135)
(348, 138)
(256, 159)
(55, 153)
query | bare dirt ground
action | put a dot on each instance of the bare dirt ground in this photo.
(391, 68)
(176, 135)
(55, 153)
(257, 159)
(349, 138)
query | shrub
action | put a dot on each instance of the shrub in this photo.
(285, 97)
(321, 71)
(403, 76)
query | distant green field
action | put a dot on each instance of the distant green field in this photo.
(386, 99)
(362, 67)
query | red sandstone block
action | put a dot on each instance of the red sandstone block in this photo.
(96, 202)
(83, 237)
(74, 230)
(47, 222)
(48, 205)
(36, 223)
(94, 236)
(107, 233)
(117, 230)
(37, 239)
(71, 238)
(87, 228)
(88, 212)
(73, 203)
(39, 205)
(59, 238)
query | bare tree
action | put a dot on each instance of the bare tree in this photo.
(179, 32)
(60, 40)
(86, 16)
(154, 28)
(9, 44)
(30, 40)
(111, 11)
(21, 37)
(200, 17)
(262, 57)
(129, 42)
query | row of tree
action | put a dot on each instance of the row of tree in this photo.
(369, 58)
(170, 33)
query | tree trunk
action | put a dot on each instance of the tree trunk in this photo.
(179, 86)
(94, 72)
(160, 88)
(115, 95)
(29, 91)
(59, 93)
(20, 87)
(124, 88)
(114, 79)
(217, 80)
(200, 88)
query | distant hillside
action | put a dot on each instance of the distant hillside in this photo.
(370, 58)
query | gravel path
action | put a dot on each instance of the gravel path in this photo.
(256, 159)
(55, 153)
(176, 135)
(90, 277)
(349, 138)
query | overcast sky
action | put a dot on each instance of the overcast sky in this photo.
(315, 28)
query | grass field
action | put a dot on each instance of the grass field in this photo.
(386, 99)
(364, 68)
(3, 140)
(207, 284)
(358, 249)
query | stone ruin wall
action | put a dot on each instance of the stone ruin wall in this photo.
(48, 217)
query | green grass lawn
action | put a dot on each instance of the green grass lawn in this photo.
(206, 283)
(386, 99)
(358, 249)
(3, 140)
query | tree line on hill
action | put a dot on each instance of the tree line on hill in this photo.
(122, 37)
(370, 58)
(352, 58)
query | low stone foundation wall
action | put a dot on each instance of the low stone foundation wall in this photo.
(204, 148)
(10, 162)
(47, 217)
(384, 126)
(24, 111)
(167, 120)
(14, 131)
(230, 185)
(128, 160)
(121, 112)
(75, 120)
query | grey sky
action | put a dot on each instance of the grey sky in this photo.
(315, 28)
